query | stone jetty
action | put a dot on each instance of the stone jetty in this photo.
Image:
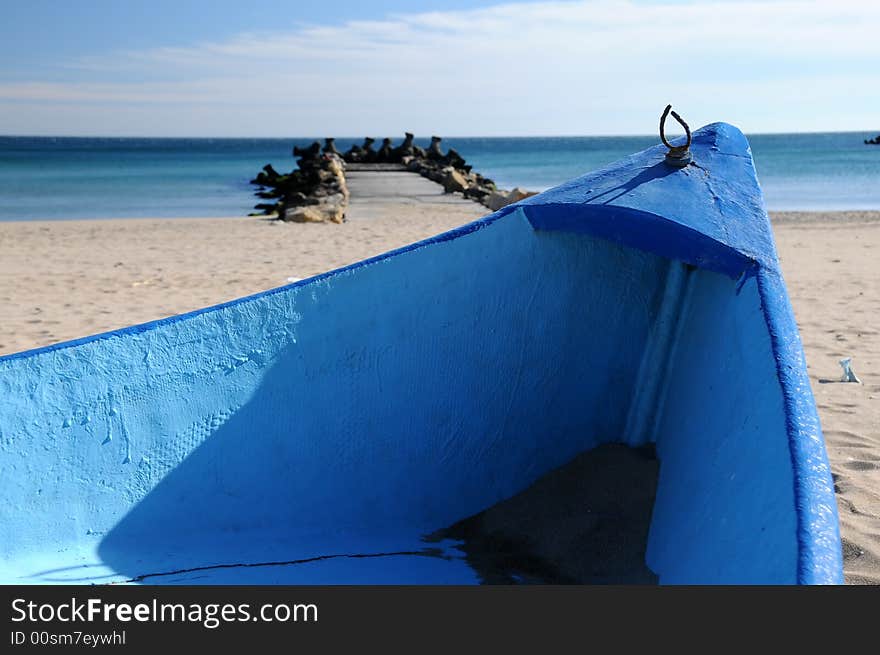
(317, 190)
(314, 192)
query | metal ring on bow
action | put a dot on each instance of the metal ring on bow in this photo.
(679, 156)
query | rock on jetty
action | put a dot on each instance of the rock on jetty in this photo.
(457, 176)
(317, 191)
(313, 193)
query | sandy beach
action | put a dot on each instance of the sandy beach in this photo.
(830, 263)
(61, 280)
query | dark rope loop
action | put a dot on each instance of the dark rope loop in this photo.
(687, 130)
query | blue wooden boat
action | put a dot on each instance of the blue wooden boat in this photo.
(329, 431)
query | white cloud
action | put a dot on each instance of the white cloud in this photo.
(606, 66)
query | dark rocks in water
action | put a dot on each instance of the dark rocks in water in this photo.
(476, 192)
(267, 208)
(298, 198)
(405, 149)
(323, 198)
(312, 152)
(315, 191)
(434, 152)
(320, 174)
(266, 177)
(450, 169)
(369, 153)
(361, 154)
(873, 142)
(353, 154)
(586, 522)
(384, 154)
(456, 161)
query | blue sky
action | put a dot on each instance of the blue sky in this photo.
(463, 67)
(70, 28)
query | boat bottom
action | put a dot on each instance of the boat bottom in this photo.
(586, 522)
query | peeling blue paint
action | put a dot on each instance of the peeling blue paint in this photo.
(315, 432)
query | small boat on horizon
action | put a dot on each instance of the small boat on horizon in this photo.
(601, 383)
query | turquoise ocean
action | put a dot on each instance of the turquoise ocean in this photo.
(68, 177)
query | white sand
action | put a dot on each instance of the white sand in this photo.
(65, 279)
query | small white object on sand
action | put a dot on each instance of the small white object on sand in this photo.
(848, 375)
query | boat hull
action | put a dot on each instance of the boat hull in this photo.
(319, 432)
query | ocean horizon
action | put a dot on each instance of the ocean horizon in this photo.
(57, 178)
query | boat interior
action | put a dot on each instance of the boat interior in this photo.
(513, 403)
